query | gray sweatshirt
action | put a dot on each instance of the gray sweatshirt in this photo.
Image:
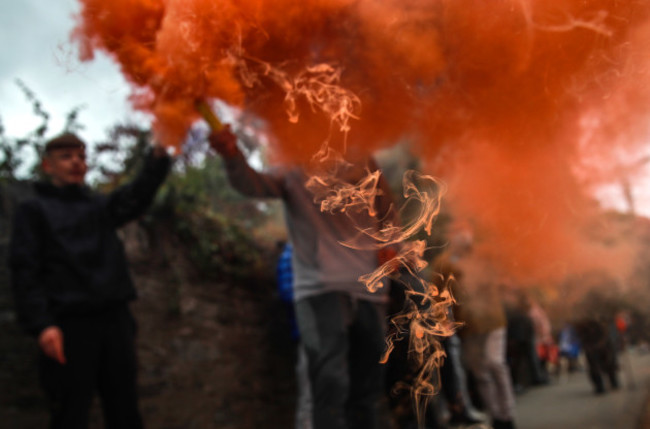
(321, 263)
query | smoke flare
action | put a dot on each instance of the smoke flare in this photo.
(503, 99)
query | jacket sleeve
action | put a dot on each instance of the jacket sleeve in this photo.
(26, 264)
(252, 183)
(132, 200)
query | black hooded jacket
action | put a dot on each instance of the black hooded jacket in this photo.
(65, 255)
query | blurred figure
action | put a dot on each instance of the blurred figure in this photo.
(454, 385)
(72, 284)
(622, 323)
(569, 348)
(522, 351)
(284, 276)
(484, 350)
(543, 343)
(520, 342)
(341, 323)
(600, 351)
(452, 373)
(402, 369)
(453, 406)
(484, 334)
(482, 338)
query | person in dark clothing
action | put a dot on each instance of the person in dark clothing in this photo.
(452, 373)
(600, 352)
(72, 284)
(523, 360)
(401, 369)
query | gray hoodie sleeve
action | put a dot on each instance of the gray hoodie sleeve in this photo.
(253, 183)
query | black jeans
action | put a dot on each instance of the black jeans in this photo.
(602, 360)
(344, 340)
(100, 356)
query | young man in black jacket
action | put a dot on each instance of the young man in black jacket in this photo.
(72, 284)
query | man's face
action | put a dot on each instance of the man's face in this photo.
(66, 166)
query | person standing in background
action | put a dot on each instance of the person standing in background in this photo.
(284, 277)
(342, 324)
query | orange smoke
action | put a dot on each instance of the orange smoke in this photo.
(503, 99)
(511, 132)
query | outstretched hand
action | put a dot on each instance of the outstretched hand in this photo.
(51, 342)
(224, 142)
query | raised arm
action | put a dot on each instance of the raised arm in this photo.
(241, 176)
(132, 200)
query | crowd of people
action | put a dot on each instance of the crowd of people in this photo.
(72, 289)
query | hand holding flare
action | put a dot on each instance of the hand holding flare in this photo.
(224, 142)
(221, 138)
(204, 109)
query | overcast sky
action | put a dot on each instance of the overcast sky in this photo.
(36, 49)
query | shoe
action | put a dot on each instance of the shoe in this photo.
(503, 424)
(464, 419)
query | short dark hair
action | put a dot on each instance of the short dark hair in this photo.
(64, 141)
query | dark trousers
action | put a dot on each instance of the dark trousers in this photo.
(100, 355)
(602, 360)
(344, 340)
